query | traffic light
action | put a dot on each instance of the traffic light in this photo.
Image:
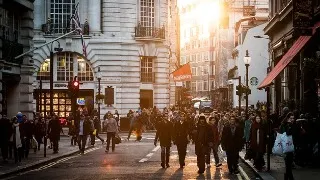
(73, 87)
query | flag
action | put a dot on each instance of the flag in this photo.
(183, 73)
(75, 19)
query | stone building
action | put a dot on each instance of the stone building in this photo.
(16, 35)
(127, 43)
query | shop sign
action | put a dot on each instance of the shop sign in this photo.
(302, 16)
(112, 79)
(60, 85)
(249, 11)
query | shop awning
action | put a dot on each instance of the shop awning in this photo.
(287, 58)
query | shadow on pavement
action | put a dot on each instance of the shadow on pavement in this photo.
(178, 174)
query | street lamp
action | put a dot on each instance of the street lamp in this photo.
(99, 75)
(247, 60)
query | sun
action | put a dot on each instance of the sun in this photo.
(208, 12)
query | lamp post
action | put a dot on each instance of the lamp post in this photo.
(247, 60)
(99, 75)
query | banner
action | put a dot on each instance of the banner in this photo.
(183, 73)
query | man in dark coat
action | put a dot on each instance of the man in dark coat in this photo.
(5, 134)
(54, 129)
(97, 127)
(203, 138)
(164, 134)
(232, 142)
(83, 129)
(181, 138)
(28, 132)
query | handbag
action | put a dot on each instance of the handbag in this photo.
(277, 147)
(287, 143)
(94, 132)
(34, 143)
(117, 139)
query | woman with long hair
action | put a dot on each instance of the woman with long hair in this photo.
(258, 141)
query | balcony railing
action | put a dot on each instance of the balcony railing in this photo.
(150, 32)
(147, 77)
(49, 29)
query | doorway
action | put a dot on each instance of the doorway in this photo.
(146, 99)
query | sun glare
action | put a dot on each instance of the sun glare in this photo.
(208, 12)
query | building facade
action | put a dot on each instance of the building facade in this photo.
(294, 48)
(127, 42)
(16, 80)
(198, 45)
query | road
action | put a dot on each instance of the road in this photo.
(131, 160)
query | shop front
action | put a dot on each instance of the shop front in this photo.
(62, 101)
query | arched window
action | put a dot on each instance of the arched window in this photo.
(44, 71)
(67, 65)
(84, 70)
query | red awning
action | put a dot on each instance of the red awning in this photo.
(286, 59)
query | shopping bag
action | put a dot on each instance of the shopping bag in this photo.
(34, 143)
(117, 139)
(94, 132)
(277, 147)
(287, 143)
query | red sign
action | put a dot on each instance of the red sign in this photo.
(183, 73)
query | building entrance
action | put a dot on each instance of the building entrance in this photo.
(146, 99)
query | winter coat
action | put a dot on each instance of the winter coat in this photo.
(247, 129)
(203, 138)
(5, 130)
(39, 130)
(254, 144)
(54, 129)
(232, 142)
(164, 133)
(87, 127)
(181, 133)
(28, 129)
(111, 125)
(97, 124)
(215, 134)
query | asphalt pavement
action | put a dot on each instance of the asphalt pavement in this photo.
(131, 160)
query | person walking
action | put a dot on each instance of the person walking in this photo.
(5, 134)
(111, 126)
(181, 138)
(54, 129)
(17, 139)
(39, 130)
(97, 128)
(258, 142)
(83, 127)
(28, 132)
(132, 118)
(164, 134)
(214, 128)
(232, 142)
(203, 139)
(287, 126)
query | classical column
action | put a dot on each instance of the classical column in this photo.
(27, 70)
(39, 10)
(94, 16)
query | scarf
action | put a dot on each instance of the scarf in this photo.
(17, 135)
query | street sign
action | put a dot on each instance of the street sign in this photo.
(254, 81)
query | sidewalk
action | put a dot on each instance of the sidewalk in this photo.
(277, 169)
(36, 159)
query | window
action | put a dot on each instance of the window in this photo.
(198, 57)
(205, 70)
(44, 71)
(60, 13)
(147, 13)
(199, 85)
(205, 56)
(205, 85)
(194, 71)
(84, 70)
(194, 86)
(65, 66)
(199, 71)
(147, 69)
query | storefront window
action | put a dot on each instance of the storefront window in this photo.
(65, 67)
(84, 71)
(44, 71)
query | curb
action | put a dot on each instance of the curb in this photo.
(261, 175)
(37, 163)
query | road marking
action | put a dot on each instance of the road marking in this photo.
(148, 156)
(244, 174)
(156, 149)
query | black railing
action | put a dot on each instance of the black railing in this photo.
(150, 32)
(49, 29)
(10, 50)
(147, 77)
